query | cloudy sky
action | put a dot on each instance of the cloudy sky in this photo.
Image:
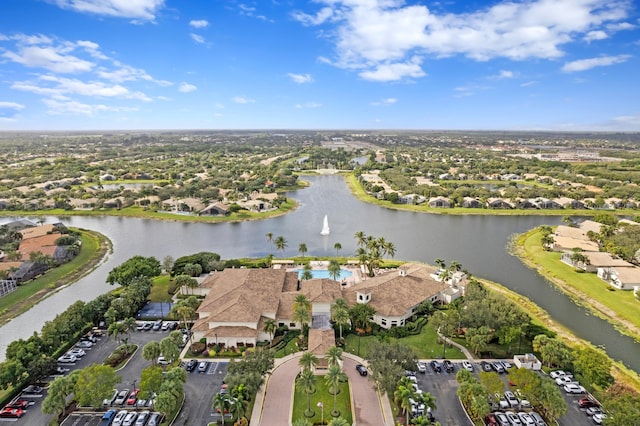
(320, 64)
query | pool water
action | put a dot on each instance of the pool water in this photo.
(324, 273)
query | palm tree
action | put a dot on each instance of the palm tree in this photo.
(270, 238)
(390, 249)
(186, 313)
(128, 325)
(338, 421)
(270, 327)
(455, 266)
(301, 315)
(334, 376)
(306, 381)
(221, 404)
(403, 396)
(239, 407)
(361, 238)
(306, 272)
(333, 356)
(334, 269)
(301, 300)
(302, 422)
(302, 248)
(337, 247)
(308, 361)
(151, 351)
(170, 350)
(340, 315)
(281, 243)
(441, 263)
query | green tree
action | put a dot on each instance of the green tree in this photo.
(280, 243)
(11, 373)
(388, 362)
(269, 236)
(170, 350)
(491, 382)
(444, 323)
(306, 381)
(338, 421)
(137, 266)
(56, 400)
(334, 376)
(404, 396)
(306, 272)
(623, 406)
(337, 247)
(270, 327)
(593, 367)
(308, 361)
(361, 315)
(478, 338)
(150, 381)
(333, 355)
(94, 384)
(302, 248)
(340, 314)
(334, 269)
(220, 404)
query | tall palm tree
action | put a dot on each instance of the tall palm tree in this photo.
(308, 361)
(334, 376)
(306, 381)
(281, 243)
(306, 272)
(441, 263)
(337, 247)
(301, 315)
(270, 327)
(333, 356)
(334, 269)
(403, 396)
(301, 300)
(390, 249)
(270, 238)
(221, 404)
(302, 248)
(361, 238)
(239, 408)
(340, 316)
(151, 351)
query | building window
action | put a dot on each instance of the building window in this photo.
(383, 321)
(360, 297)
(280, 324)
(292, 324)
(394, 322)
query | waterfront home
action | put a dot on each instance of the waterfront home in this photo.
(595, 260)
(620, 277)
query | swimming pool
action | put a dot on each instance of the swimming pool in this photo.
(324, 273)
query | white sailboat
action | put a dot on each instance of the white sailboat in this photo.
(325, 226)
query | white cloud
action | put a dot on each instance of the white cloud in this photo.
(128, 73)
(242, 100)
(394, 71)
(51, 58)
(186, 87)
(11, 105)
(300, 78)
(197, 38)
(528, 83)
(587, 64)
(374, 37)
(505, 74)
(308, 105)
(79, 108)
(595, 35)
(387, 101)
(202, 23)
(135, 9)
(60, 87)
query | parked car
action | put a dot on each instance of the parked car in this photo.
(155, 419)
(191, 365)
(67, 359)
(422, 367)
(89, 338)
(574, 388)
(448, 365)
(109, 401)
(511, 399)
(592, 411)
(122, 397)
(526, 419)
(436, 366)
(537, 418)
(599, 418)
(32, 390)
(467, 365)
(157, 325)
(77, 352)
(130, 419)
(107, 418)
(490, 420)
(84, 344)
(11, 413)
(501, 401)
(497, 367)
(133, 397)
(514, 420)
(506, 364)
(502, 418)
(565, 380)
(140, 325)
(202, 366)
(588, 402)
(557, 373)
(164, 326)
(119, 418)
(485, 366)
(147, 326)
(162, 361)
(18, 403)
(142, 418)
(362, 369)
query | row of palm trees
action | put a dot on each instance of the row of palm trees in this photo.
(306, 380)
(281, 244)
(406, 396)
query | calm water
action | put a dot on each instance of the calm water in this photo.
(477, 242)
(324, 273)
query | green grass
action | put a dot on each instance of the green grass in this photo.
(27, 294)
(425, 345)
(590, 287)
(343, 402)
(290, 348)
(159, 290)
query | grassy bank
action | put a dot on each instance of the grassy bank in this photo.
(618, 307)
(94, 247)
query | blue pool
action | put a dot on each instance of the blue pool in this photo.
(324, 273)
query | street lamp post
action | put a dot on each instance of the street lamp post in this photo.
(321, 405)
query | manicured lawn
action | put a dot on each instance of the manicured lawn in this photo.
(291, 347)
(343, 402)
(620, 301)
(159, 290)
(425, 345)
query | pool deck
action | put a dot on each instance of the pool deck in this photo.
(356, 273)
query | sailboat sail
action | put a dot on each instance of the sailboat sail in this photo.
(325, 226)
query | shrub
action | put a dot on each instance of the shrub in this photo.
(197, 348)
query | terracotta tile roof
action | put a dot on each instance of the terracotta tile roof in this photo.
(36, 231)
(393, 294)
(321, 290)
(231, 331)
(5, 266)
(320, 341)
(602, 259)
(44, 244)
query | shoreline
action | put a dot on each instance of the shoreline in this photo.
(104, 247)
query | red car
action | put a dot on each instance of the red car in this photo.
(18, 403)
(133, 397)
(12, 413)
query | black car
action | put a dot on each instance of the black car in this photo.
(486, 366)
(448, 365)
(436, 366)
(191, 365)
(362, 369)
(32, 390)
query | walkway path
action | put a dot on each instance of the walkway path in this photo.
(275, 399)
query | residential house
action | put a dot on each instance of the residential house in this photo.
(622, 278)
(546, 203)
(499, 203)
(439, 202)
(411, 199)
(215, 209)
(595, 260)
(570, 203)
(472, 203)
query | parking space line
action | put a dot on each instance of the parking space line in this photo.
(212, 368)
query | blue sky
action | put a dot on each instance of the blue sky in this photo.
(324, 64)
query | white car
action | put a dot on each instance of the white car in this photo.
(77, 352)
(526, 419)
(574, 388)
(422, 367)
(84, 344)
(467, 365)
(162, 361)
(599, 418)
(558, 373)
(67, 359)
(119, 418)
(565, 380)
